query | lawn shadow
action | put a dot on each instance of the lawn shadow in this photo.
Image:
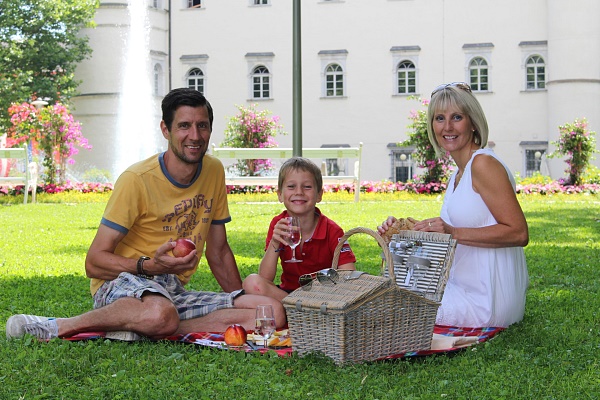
(57, 296)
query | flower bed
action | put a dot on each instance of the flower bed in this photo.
(365, 187)
(81, 187)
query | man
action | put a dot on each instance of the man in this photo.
(137, 285)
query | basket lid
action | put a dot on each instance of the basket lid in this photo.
(351, 289)
(419, 260)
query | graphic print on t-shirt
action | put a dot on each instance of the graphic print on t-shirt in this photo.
(185, 217)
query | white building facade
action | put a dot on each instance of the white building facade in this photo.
(533, 65)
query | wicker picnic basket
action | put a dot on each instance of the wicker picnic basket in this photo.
(360, 318)
(440, 248)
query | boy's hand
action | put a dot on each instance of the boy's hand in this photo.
(281, 233)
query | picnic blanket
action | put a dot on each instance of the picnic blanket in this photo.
(446, 339)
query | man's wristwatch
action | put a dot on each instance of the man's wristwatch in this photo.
(140, 268)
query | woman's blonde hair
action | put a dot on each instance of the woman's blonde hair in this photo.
(452, 96)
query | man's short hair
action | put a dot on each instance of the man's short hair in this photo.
(183, 97)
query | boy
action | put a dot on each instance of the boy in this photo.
(300, 188)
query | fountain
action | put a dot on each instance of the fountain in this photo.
(137, 128)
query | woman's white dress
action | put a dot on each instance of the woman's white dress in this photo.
(486, 286)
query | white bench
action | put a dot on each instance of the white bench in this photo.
(28, 178)
(283, 153)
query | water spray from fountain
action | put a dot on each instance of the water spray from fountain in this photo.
(137, 128)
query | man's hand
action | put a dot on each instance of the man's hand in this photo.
(164, 262)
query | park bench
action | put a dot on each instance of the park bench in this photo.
(319, 155)
(22, 171)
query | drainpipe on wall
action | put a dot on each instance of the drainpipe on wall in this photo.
(169, 45)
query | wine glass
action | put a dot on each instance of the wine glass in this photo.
(294, 239)
(417, 266)
(265, 322)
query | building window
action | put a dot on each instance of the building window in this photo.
(195, 80)
(157, 3)
(536, 73)
(333, 67)
(533, 64)
(261, 86)
(260, 2)
(404, 70)
(194, 3)
(478, 74)
(260, 75)
(403, 166)
(157, 79)
(534, 152)
(407, 78)
(533, 161)
(335, 166)
(334, 81)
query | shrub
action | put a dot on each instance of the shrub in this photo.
(252, 129)
(536, 179)
(436, 169)
(579, 145)
(51, 131)
(591, 175)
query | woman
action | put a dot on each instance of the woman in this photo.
(488, 278)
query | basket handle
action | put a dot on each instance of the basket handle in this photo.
(386, 251)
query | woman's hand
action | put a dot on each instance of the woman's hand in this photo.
(432, 225)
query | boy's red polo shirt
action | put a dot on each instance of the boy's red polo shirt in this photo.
(316, 253)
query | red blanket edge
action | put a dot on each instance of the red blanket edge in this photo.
(484, 333)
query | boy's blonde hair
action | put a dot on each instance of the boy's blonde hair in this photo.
(302, 164)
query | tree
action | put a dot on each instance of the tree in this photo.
(578, 144)
(252, 129)
(51, 131)
(40, 47)
(436, 169)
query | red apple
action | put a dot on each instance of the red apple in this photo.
(183, 247)
(235, 335)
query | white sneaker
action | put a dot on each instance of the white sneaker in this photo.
(126, 336)
(40, 327)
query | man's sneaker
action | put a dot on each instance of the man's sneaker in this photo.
(126, 336)
(40, 327)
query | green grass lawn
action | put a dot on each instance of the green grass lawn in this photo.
(553, 353)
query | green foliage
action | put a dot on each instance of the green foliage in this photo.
(435, 169)
(536, 179)
(40, 49)
(52, 131)
(579, 145)
(591, 175)
(252, 129)
(96, 175)
(552, 354)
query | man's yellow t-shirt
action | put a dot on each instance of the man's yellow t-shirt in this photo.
(150, 208)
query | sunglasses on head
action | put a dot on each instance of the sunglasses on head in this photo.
(461, 85)
(328, 275)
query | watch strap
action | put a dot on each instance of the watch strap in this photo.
(140, 268)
